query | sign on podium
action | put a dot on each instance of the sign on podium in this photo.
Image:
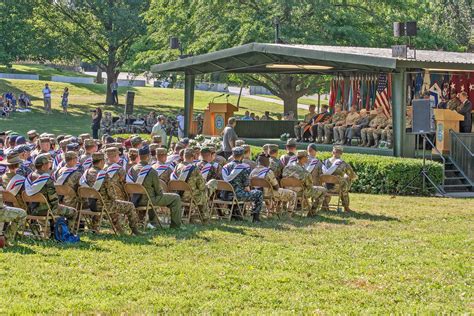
(446, 120)
(216, 116)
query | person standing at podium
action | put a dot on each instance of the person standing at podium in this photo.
(465, 110)
(229, 138)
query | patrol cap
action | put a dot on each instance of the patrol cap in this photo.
(291, 142)
(185, 141)
(89, 142)
(157, 138)
(12, 159)
(145, 150)
(313, 147)
(20, 140)
(239, 143)
(45, 140)
(42, 159)
(136, 140)
(301, 154)
(97, 156)
(72, 146)
(85, 136)
(266, 147)
(64, 142)
(69, 155)
(22, 149)
(263, 159)
(237, 151)
(338, 149)
(161, 151)
(112, 151)
(32, 133)
(154, 147)
(206, 150)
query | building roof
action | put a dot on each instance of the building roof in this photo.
(266, 58)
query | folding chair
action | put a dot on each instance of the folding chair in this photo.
(190, 205)
(43, 221)
(269, 198)
(331, 183)
(226, 206)
(65, 190)
(11, 199)
(295, 185)
(135, 188)
(86, 193)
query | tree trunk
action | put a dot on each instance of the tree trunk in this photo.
(290, 103)
(99, 78)
(112, 76)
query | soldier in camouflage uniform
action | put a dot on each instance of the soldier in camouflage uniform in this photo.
(151, 183)
(42, 175)
(14, 186)
(150, 121)
(69, 175)
(219, 159)
(207, 159)
(337, 167)
(90, 147)
(25, 167)
(188, 172)
(162, 168)
(290, 155)
(106, 123)
(314, 166)
(454, 103)
(132, 158)
(110, 195)
(337, 119)
(387, 133)
(14, 216)
(286, 197)
(116, 172)
(314, 194)
(120, 126)
(275, 164)
(237, 175)
(376, 126)
(340, 130)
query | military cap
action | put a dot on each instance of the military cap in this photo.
(72, 146)
(273, 147)
(237, 151)
(313, 146)
(112, 150)
(64, 142)
(136, 140)
(68, 136)
(52, 140)
(338, 148)
(97, 156)
(206, 150)
(70, 155)
(153, 147)
(157, 138)
(185, 141)
(12, 159)
(85, 136)
(109, 140)
(13, 139)
(245, 147)
(188, 152)
(239, 143)
(291, 142)
(42, 159)
(51, 135)
(22, 149)
(45, 140)
(60, 137)
(263, 159)
(89, 142)
(32, 133)
(20, 140)
(145, 150)
(161, 151)
(301, 154)
(266, 147)
(43, 135)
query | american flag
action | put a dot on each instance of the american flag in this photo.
(382, 96)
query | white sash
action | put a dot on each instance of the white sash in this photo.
(63, 176)
(312, 164)
(15, 184)
(123, 162)
(206, 169)
(184, 173)
(58, 159)
(141, 175)
(229, 175)
(87, 163)
(171, 161)
(263, 173)
(112, 170)
(33, 187)
(330, 170)
(98, 181)
(293, 160)
(161, 169)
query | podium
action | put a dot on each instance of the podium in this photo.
(446, 120)
(216, 116)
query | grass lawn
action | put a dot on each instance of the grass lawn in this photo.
(401, 255)
(83, 98)
(306, 101)
(44, 72)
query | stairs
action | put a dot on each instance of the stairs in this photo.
(456, 184)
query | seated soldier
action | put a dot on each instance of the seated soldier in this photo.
(337, 167)
(317, 124)
(156, 139)
(376, 125)
(153, 148)
(340, 130)
(186, 171)
(237, 175)
(210, 170)
(69, 175)
(286, 197)
(338, 118)
(132, 159)
(302, 129)
(116, 172)
(95, 177)
(150, 121)
(314, 194)
(14, 217)
(290, 156)
(247, 157)
(162, 168)
(120, 126)
(275, 164)
(13, 181)
(217, 158)
(40, 182)
(314, 165)
(142, 173)
(387, 133)
(106, 123)
(90, 147)
(359, 124)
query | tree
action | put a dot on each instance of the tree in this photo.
(99, 31)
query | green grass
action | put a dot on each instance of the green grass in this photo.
(44, 72)
(306, 101)
(83, 98)
(404, 255)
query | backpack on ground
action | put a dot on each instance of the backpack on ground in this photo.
(62, 233)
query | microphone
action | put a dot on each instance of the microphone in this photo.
(212, 101)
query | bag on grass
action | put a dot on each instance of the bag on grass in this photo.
(62, 233)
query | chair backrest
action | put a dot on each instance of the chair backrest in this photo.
(291, 182)
(328, 179)
(65, 190)
(260, 183)
(164, 186)
(10, 198)
(36, 198)
(134, 188)
(224, 186)
(88, 193)
(177, 185)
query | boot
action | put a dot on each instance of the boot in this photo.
(136, 232)
(255, 217)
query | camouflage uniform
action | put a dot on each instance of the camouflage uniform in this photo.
(338, 117)
(316, 172)
(314, 194)
(285, 196)
(24, 170)
(277, 167)
(340, 131)
(346, 176)
(164, 175)
(153, 187)
(454, 103)
(367, 134)
(72, 181)
(150, 122)
(249, 162)
(220, 160)
(198, 187)
(49, 191)
(115, 206)
(239, 183)
(285, 159)
(299, 130)
(118, 181)
(214, 173)
(12, 215)
(6, 179)
(119, 126)
(106, 124)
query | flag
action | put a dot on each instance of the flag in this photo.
(382, 95)
(435, 95)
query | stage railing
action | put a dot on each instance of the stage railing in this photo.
(462, 147)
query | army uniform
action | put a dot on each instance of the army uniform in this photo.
(287, 158)
(454, 104)
(340, 131)
(6, 180)
(314, 194)
(285, 196)
(106, 124)
(152, 184)
(119, 126)
(220, 160)
(314, 167)
(150, 122)
(14, 216)
(71, 181)
(367, 134)
(117, 179)
(115, 206)
(337, 117)
(346, 176)
(299, 130)
(164, 171)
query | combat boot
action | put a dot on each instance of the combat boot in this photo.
(255, 217)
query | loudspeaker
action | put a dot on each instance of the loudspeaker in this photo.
(422, 117)
(410, 28)
(129, 103)
(174, 43)
(398, 29)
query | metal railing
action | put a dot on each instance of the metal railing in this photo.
(462, 147)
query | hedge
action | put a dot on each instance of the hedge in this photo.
(382, 174)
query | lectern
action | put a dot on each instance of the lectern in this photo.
(216, 116)
(446, 120)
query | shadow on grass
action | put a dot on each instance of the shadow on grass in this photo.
(363, 216)
(7, 87)
(19, 249)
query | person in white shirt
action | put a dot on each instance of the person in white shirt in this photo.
(47, 99)
(159, 129)
(180, 119)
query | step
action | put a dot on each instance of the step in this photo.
(454, 178)
(460, 195)
(457, 185)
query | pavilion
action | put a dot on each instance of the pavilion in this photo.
(315, 59)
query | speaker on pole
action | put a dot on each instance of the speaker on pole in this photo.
(129, 103)
(398, 29)
(410, 28)
(422, 117)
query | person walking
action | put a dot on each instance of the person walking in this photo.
(229, 138)
(65, 99)
(96, 118)
(47, 99)
(114, 88)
